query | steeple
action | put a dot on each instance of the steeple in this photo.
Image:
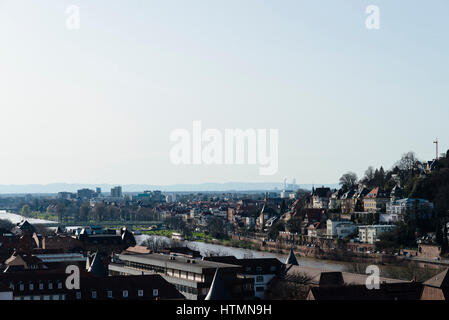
(217, 289)
(97, 267)
(292, 259)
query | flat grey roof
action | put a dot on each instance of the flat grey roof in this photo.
(179, 262)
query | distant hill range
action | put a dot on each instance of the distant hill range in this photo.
(202, 187)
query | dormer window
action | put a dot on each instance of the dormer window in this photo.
(140, 293)
(125, 293)
(109, 294)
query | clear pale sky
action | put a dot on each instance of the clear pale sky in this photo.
(97, 105)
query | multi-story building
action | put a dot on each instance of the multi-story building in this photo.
(116, 192)
(192, 277)
(376, 200)
(396, 210)
(347, 202)
(86, 194)
(50, 285)
(369, 234)
(262, 270)
(320, 197)
(340, 228)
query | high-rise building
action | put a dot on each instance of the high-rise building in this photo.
(116, 192)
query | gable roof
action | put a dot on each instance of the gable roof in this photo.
(291, 259)
(441, 280)
(376, 193)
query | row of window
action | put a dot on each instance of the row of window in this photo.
(47, 297)
(260, 269)
(170, 272)
(124, 293)
(186, 289)
(40, 285)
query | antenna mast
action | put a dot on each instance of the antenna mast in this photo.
(436, 145)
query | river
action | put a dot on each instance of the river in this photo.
(214, 249)
(15, 218)
(403, 272)
(400, 272)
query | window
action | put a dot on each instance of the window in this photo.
(21, 287)
(41, 286)
(259, 269)
(273, 268)
(259, 279)
(140, 293)
(50, 285)
(78, 295)
(94, 294)
(109, 294)
(31, 286)
(59, 285)
(259, 289)
(125, 293)
(155, 292)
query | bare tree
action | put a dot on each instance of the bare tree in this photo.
(408, 162)
(348, 180)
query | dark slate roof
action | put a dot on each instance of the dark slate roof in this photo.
(322, 192)
(252, 265)
(25, 225)
(97, 267)
(292, 259)
(441, 280)
(217, 289)
(391, 291)
(331, 279)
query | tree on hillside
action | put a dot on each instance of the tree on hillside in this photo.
(294, 225)
(368, 177)
(348, 180)
(408, 162)
(278, 226)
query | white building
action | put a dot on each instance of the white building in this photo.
(340, 228)
(396, 210)
(369, 234)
